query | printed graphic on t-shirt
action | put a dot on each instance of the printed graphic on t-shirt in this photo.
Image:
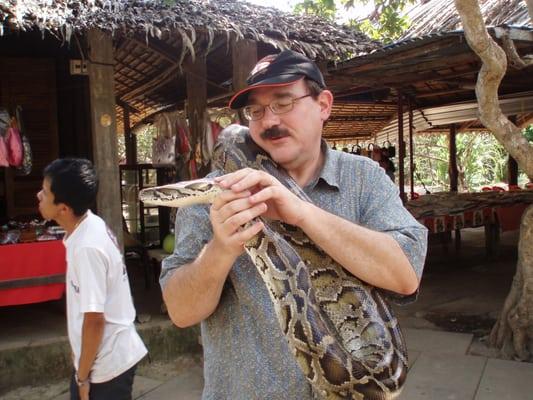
(76, 288)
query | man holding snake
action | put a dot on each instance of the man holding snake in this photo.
(356, 217)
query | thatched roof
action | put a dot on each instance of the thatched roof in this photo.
(316, 37)
(434, 70)
(152, 39)
(432, 16)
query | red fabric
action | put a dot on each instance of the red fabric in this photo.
(26, 260)
(468, 219)
(15, 151)
(509, 217)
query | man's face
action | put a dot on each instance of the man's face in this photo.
(292, 139)
(47, 208)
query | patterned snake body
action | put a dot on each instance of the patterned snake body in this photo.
(341, 331)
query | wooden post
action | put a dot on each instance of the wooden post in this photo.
(401, 149)
(512, 165)
(104, 133)
(411, 151)
(130, 139)
(244, 58)
(454, 173)
(452, 167)
(512, 171)
(196, 77)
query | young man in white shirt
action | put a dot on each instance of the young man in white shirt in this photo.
(105, 345)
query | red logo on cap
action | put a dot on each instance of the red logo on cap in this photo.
(263, 63)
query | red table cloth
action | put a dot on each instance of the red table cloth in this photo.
(508, 218)
(32, 272)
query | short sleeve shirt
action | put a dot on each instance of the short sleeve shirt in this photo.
(245, 354)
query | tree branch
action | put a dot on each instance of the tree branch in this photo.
(514, 58)
(494, 65)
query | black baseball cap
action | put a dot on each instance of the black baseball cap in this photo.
(280, 69)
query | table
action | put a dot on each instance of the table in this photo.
(506, 217)
(32, 272)
(497, 212)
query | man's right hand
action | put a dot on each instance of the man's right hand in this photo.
(229, 214)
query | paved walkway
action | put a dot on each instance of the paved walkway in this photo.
(440, 370)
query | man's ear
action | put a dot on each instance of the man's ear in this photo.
(325, 100)
(65, 210)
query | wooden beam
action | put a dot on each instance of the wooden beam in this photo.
(401, 149)
(452, 166)
(169, 53)
(332, 137)
(151, 83)
(130, 140)
(243, 58)
(411, 150)
(443, 92)
(126, 106)
(196, 98)
(103, 119)
(514, 34)
(400, 55)
(360, 118)
(512, 165)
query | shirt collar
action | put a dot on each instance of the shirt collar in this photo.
(330, 169)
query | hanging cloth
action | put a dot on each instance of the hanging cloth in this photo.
(4, 125)
(27, 160)
(207, 142)
(15, 151)
(164, 145)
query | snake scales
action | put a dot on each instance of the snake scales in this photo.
(341, 331)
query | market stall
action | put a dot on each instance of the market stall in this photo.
(32, 272)
(497, 211)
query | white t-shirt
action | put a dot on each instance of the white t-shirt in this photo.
(97, 281)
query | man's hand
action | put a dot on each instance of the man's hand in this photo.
(229, 214)
(281, 203)
(84, 390)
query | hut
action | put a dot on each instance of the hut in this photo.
(425, 82)
(80, 72)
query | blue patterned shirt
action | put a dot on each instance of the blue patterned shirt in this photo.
(245, 354)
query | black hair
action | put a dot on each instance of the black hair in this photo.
(74, 182)
(314, 87)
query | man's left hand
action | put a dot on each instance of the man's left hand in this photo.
(84, 391)
(281, 203)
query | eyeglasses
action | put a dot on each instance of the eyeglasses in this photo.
(254, 112)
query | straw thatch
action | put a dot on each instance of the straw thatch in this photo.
(316, 37)
(432, 16)
(154, 39)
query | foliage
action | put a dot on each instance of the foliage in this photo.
(528, 133)
(144, 136)
(385, 23)
(323, 8)
(481, 161)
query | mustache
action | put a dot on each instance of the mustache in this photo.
(273, 133)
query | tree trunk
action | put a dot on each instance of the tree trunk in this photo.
(513, 332)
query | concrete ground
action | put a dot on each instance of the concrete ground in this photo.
(460, 297)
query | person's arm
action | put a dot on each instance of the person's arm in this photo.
(372, 256)
(90, 265)
(91, 337)
(192, 292)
